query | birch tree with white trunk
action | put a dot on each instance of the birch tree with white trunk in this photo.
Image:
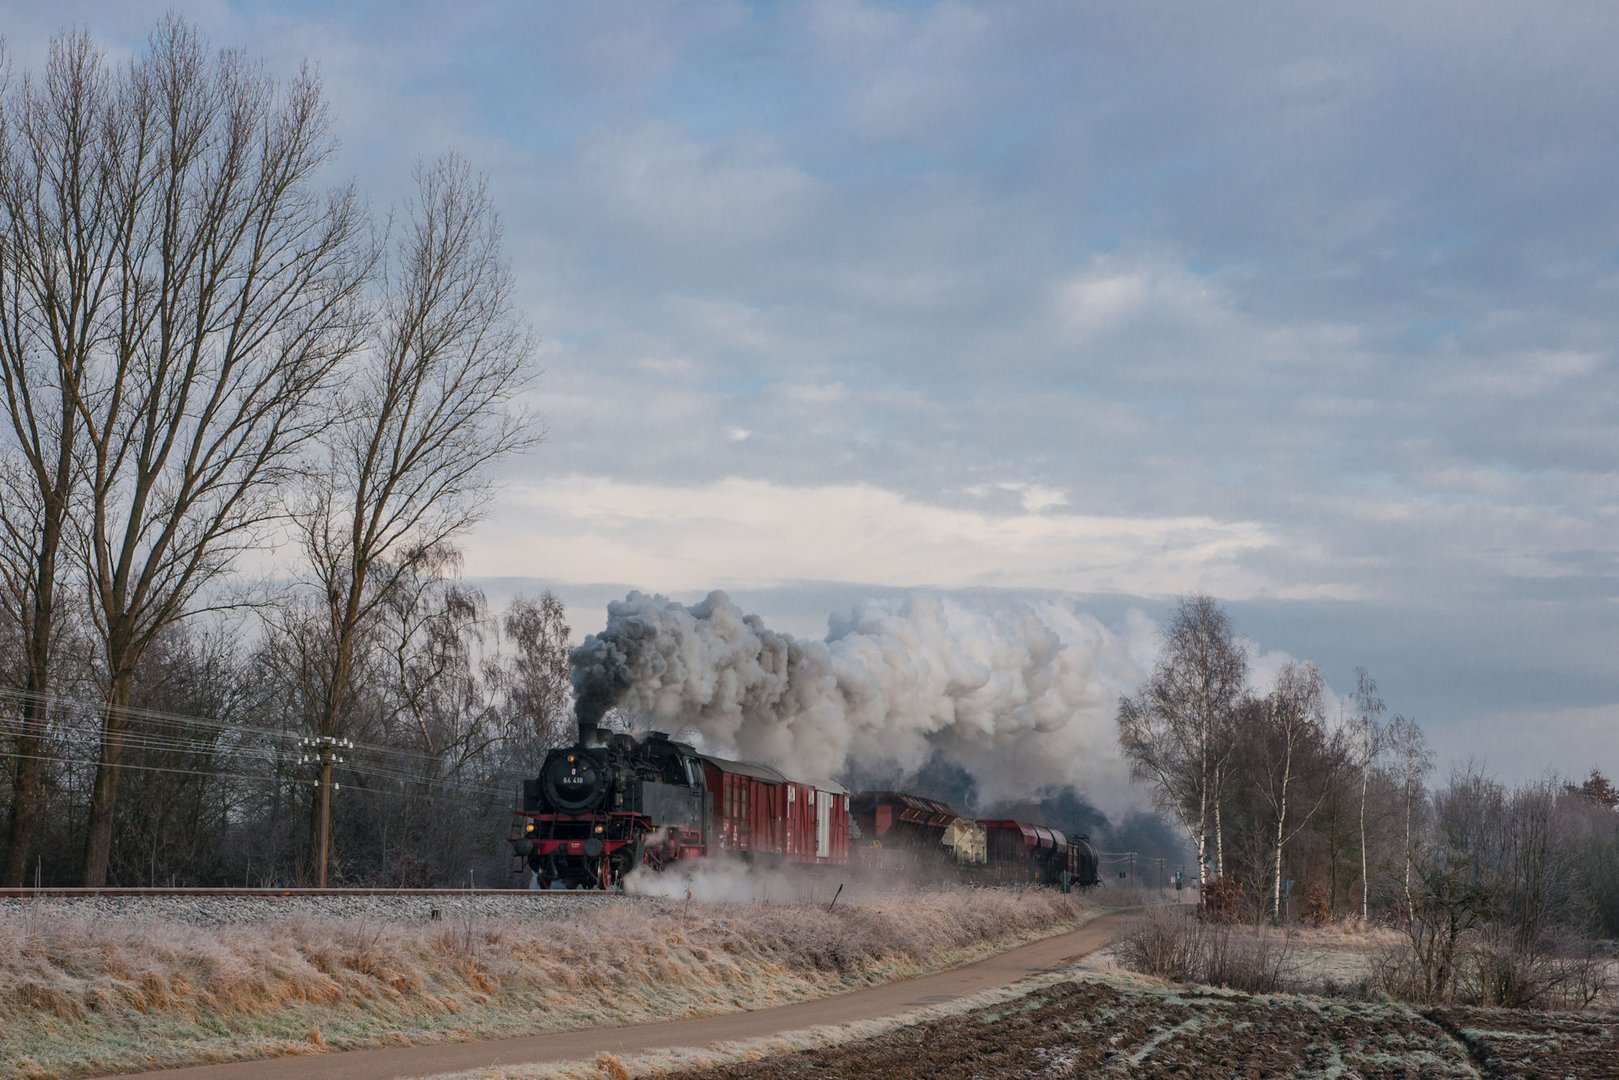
(1296, 743)
(1177, 731)
(1413, 761)
(1369, 739)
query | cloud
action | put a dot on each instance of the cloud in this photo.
(1033, 497)
(750, 533)
(679, 189)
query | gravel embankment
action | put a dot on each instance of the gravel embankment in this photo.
(240, 910)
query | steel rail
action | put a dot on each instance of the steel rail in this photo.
(272, 893)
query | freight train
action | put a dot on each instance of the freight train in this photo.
(604, 807)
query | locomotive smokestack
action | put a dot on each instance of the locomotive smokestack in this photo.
(603, 669)
(587, 712)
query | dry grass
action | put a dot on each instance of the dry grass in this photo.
(78, 997)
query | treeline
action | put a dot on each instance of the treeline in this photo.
(452, 704)
(211, 360)
(1305, 808)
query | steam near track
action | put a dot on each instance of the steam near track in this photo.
(1021, 696)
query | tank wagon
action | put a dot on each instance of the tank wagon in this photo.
(1020, 852)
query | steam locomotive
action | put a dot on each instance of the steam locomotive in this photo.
(604, 807)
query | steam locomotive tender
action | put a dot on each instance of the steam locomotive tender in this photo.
(601, 808)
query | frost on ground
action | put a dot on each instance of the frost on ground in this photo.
(79, 997)
(1099, 1020)
(1093, 1025)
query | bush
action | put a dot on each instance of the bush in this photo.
(1165, 944)
(1172, 944)
(1223, 900)
(1317, 906)
(1495, 967)
(1556, 972)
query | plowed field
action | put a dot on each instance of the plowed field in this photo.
(1094, 1027)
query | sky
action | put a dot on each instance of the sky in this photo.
(1310, 307)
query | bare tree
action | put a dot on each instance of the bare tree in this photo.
(1368, 736)
(59, 154)
(539, 693)
(1413, 761)
(1295, 737)
(235, 284)
(422, 419)
(433, 629)
(1177, 730)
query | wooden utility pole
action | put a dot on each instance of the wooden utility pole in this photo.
(322, 751)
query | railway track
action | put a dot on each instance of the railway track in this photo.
(270, 894)
(220, 906)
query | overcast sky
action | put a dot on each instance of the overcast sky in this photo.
(1308, 306)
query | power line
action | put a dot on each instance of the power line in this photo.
(80, 722)
(257, 778)
(142, 768)
(81, 706)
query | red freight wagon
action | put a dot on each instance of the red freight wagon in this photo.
(759, 811)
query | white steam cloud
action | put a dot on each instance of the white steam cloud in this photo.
(1023, 696)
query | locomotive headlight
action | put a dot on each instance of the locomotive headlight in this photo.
(598, 828)
(530, 827)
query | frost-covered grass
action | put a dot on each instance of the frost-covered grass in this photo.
(1102, 1020)
(685, 1058)
(1066, 1024)
(79, 997)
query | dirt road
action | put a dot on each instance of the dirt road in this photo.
(1041, 956)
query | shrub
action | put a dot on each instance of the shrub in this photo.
(1172, 944)
(1164, 943)
(1558, 971)
(1223, 900)
(1495, 966)
(1317, 905)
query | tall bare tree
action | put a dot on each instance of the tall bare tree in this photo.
(1368, 740)
(1294, 742)
(1413, 760)
(62, 155)
(1177, 731)
(425, 414)
(539, 692)
(235, 286)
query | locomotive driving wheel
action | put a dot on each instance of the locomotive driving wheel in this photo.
(626, 859)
